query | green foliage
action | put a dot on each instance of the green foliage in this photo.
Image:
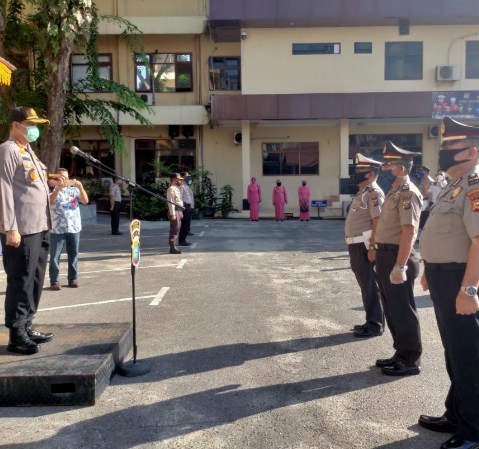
(226, 199)
(146, 207)
(204, 189)
(94, 187)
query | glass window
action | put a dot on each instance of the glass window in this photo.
(472, 59)
(291, 158)
(316, 49)
(403, 61)
(225, 73)
(79, 67)
(180, 154)
(363, 47)
(171, 72)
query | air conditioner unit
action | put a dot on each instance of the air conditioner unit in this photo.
(147, 98)
(447, 73)
(433, 131)
(238, 138)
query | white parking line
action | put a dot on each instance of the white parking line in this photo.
(125, 269)
(194, 245)
(181, 264)
(201, 234)
(71, 306)
(159, 297)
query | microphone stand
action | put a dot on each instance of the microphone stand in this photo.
(135, 367)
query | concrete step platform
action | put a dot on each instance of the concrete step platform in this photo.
(73, 369)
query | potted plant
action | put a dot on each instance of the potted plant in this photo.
(226, 201)
(205, 193)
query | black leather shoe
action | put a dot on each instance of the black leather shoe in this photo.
(117, 233)
(381, 363)
(38, 337)
(458, 443)
(365, 332)
(184, 243)
(190, 233)
(437, 423)
(358, 327)
(20, 343)
(400, 369)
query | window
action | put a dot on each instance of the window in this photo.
(472, 59)
(316, 49)
(363, 47)
(179, 154)
(403, 61)
(171, 72)
(291, 158)
(225, 73)
(80, 65)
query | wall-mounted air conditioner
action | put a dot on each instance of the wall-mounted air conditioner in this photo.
(447, 73)
(433, 131)
(147, 98)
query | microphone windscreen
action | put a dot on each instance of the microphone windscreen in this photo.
(75, 150)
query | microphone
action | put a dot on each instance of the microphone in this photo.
(76, 151)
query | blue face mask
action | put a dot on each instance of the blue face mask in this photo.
(33, 133)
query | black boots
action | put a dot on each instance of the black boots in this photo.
(20, 343)
(37, 337)
(174, 249)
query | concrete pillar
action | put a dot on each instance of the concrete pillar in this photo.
(246, 157)
(343, 159)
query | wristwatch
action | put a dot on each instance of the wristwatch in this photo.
(399, 267)
(372, 248)
(469, 290)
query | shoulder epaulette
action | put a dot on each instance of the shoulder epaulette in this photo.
(405, 187)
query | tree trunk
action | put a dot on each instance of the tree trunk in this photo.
(54, 136)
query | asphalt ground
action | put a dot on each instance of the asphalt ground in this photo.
(248, 334)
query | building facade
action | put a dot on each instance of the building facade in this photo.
(290, 90)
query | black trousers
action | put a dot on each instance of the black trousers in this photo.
(364, 272)
(460, 338)
(399, 306)
(185, 222)
(25, 267)
(115, 217)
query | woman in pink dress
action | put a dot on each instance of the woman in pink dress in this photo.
(280, 198)
(304, 195)
(254, 198)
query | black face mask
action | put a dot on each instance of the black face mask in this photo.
(303, 183)
(359, 177)
(446, 158)
(278, 183)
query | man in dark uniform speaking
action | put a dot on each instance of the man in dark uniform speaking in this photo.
(24, 225)
(450, 250)
(397, 265)
(362, 218)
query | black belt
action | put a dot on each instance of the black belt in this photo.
(452, 266)
(387, 246)
(177, 208)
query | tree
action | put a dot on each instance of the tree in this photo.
(52, 32)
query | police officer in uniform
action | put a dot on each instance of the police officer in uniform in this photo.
(362, 218)
(397, 264)
(450, 249)
(24, 225)
(173, 195)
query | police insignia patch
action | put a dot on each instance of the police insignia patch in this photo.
(405, 187)
(406, 205)
(474, 198)
(374, 199)
(456, 192)
(473, 179)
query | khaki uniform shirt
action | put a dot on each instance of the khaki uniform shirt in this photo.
(173, 194)
(402, 206)
(365, 206)
(453, 221)
(24, 192)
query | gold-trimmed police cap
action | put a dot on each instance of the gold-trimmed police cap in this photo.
(393, 153)
(453, 130)
(366, 162)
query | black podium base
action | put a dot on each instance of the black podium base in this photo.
(73, 369)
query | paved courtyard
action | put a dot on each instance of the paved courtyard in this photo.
(248, 335)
